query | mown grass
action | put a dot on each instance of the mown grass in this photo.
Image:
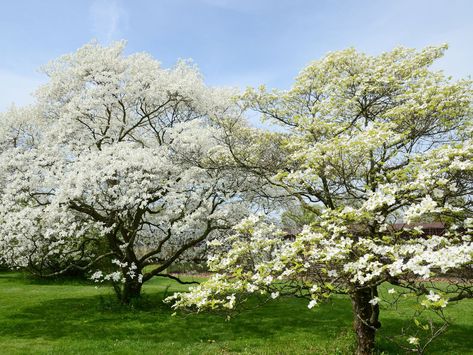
(73, 317)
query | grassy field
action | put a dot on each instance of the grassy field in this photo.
(71, 317)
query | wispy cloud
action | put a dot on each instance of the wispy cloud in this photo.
(108, 20)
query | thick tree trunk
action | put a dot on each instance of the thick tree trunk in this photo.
(131, 290)
(366, 320)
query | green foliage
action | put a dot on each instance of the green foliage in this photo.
(296, 217)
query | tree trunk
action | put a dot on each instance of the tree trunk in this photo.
(366, 320)
(131, 290)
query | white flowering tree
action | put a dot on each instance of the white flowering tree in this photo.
(115, 165)
(375, 146)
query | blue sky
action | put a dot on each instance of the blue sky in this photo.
(234, 42)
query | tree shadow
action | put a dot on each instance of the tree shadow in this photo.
(100, 317)
(456, 340)
(21, 278)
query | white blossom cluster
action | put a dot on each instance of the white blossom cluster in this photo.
(375, 148)
(118, 159)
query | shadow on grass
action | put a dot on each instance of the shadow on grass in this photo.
(457, 340)
(28, 279)
(100, 317)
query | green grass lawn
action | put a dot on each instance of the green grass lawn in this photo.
(71, 317)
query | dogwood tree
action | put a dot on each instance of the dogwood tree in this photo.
(374, 146)
(113, 166)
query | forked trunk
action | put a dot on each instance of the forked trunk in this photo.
(366, 320)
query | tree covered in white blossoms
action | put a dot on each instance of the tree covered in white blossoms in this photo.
(114, 165)
(373, 147)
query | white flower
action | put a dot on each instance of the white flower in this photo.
(332, 273)
(251, 288)
(413, 340)
(437, 193)
(312, 304)
(114, 276)
(391, 291)
(274, 295)
(432, 296)
(375, 301)
(268, 279)
(231, 301)
(96, 276)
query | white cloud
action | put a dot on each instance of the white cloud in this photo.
(108, 19)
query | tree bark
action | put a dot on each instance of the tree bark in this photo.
(131, 290)
(366, 320)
